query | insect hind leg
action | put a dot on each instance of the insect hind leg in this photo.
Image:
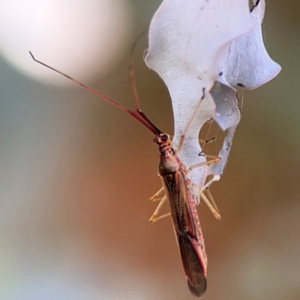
(210, 203)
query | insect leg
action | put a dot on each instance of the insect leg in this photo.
(154, 220)
(155, 196)
(214, 209)
(154, 217)
(212, 200)
(205, 163)
(205, 142)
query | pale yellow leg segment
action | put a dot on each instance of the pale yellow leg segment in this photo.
(205, 163)
(205, 142)
(210, 156)
(212, 201)
(154, 217)
(214, 211)
(154, 220)
(155, 196)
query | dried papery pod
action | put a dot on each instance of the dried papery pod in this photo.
(187, 39)
(245, 62)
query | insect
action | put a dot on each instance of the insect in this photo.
(177, 188)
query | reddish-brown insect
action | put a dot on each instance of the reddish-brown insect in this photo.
(178, 190)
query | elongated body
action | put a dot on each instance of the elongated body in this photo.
(184, 216)
(177, 188)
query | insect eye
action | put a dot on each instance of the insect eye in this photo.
(164, 138)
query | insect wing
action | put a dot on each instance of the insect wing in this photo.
(187, 231)
(192, 265)
(191, 244)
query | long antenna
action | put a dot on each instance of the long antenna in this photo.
(138, 114)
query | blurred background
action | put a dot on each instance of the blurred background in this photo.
(77, 173)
